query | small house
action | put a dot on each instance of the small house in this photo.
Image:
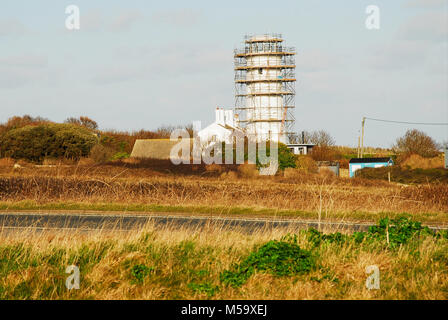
(224, 129)
(300, 148)
(360, 163)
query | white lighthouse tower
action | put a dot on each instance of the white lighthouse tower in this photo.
(264, 83)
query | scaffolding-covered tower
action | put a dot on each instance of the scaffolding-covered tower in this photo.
(264, 87)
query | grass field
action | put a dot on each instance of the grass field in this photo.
(211, 263)
(124, 187)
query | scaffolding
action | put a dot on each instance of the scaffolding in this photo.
(265, 87)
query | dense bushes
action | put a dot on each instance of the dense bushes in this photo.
(414, 161)
(49, 140)
(306, 163)
(101, 153)
(404, 175)
(43, 138)
(286, 158)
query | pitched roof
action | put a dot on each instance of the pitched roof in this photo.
(156, 148)
(369, 160)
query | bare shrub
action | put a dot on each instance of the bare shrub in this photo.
(101, 154)
(59, 162)
(344, 173)
(229, 175)
(415, 161)
(86, 162)
(134, 161)
(326, 173)
(325, 153)
(20, 122)
(291, 173)
(321, 138)
(248, 170)
(83, 121)
(7, 162)
(307, 164)
(214, 168)
(24, 163)
(125, 185)
(50, 162)
(344, 163)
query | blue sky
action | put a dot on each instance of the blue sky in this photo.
(142, 64)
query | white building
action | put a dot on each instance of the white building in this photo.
(223, 129)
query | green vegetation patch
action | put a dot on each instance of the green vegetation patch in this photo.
(280, 258)
(392, 232)
(139, 272)
(207, 288)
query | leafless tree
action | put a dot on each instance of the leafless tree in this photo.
(83, 121)
(416, 142)
(88, 123)
(293, 137)
(319, 137)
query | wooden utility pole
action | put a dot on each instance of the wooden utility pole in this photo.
(362, 137)
(446, 156)
(359, 139)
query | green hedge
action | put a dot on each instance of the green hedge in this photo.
(54, 140)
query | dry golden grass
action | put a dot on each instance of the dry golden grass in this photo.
(7, 162)
(32, 266)
(214, 168)
(248, 171)
(300, 193)
(415, 161)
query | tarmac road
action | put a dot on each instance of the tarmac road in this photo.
(79, 221)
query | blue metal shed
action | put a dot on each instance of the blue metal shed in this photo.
(359, 163)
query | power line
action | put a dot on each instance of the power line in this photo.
(405, 122)
(393, 121)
